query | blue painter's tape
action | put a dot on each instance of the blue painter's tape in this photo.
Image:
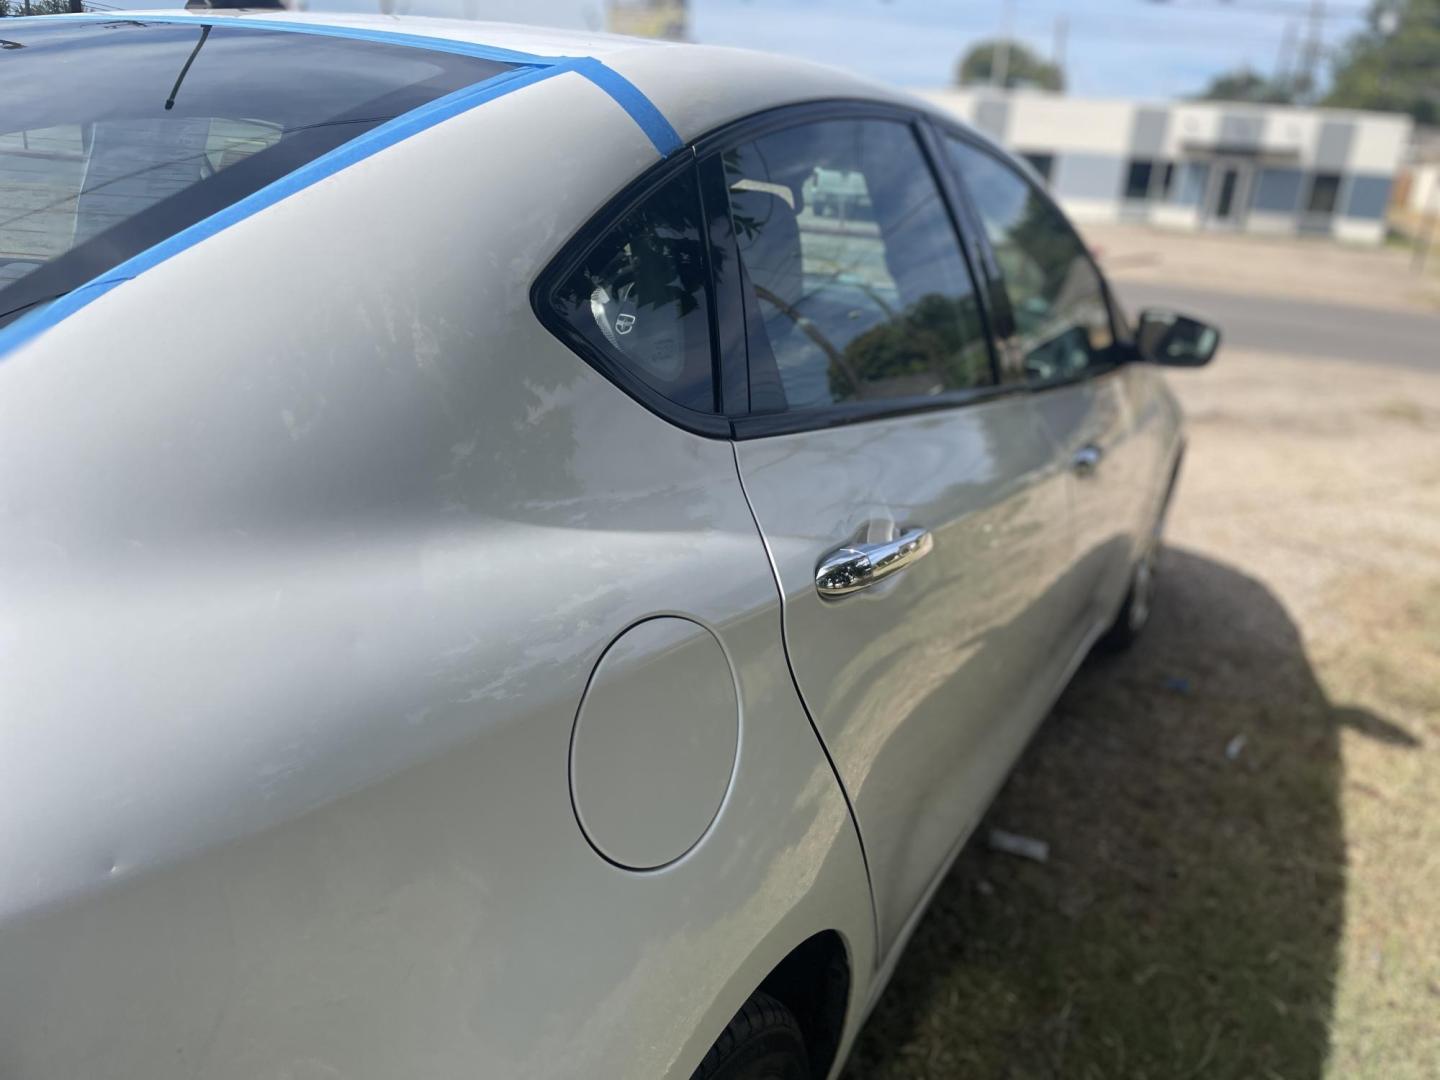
(628, 96)
(625, 93)
(354, 33)
(536, 68)
(326, 165)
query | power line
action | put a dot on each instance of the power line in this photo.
(1288, 9)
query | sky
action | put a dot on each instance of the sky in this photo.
(1113, 48)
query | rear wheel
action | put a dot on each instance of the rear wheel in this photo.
(762, 1042)
(1135, 611)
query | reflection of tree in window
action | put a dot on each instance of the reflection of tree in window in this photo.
(934, 345)
(640, 295)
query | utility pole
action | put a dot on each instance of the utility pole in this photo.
(1062, 32)
(1284, 60)
(1000, 62)
(1314, 48)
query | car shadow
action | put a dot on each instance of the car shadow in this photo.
(1187, 920)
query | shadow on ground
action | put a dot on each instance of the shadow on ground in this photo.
(1188, 920)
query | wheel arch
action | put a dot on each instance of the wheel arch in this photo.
(818, 979)
(814, 982)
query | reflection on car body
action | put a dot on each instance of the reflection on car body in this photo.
(524, 554)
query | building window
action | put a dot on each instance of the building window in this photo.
(1137, 179)
(1167, 179)
(1147, 179)
(1043, 164)
(1194, 177)
(1324, 193)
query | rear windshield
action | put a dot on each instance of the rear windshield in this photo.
(114, 136)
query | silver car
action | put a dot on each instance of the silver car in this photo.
(524, 555)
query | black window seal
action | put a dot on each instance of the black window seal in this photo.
(578, 248)
(844, 414)
(997, 299)
(1120, 333)
(970, 234)
(729, 326)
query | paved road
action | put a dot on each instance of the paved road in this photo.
(1300, 327)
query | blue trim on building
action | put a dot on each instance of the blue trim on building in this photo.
(1277, 191)
(1368, 197)
(533, 69)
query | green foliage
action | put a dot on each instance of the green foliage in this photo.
(1248, 86)
(34, 7)
(1023, 68)
(936, 333)
(1393, 66)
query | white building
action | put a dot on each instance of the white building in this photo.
(1193, 165)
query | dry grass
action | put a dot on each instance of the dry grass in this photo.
(1272, 916)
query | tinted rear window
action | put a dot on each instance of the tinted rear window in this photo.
(114, 136)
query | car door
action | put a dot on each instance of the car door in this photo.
(910, 503)
(1059, 334)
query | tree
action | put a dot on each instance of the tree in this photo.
(1394, 64)
(1249, 86)
(1022, 67)
(35, 7)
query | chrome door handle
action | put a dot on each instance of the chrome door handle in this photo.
(859, 566)
(1087, 459)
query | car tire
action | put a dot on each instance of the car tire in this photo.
(762, 1042)
(1134, 612)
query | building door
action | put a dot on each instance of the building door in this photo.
(1229, 193)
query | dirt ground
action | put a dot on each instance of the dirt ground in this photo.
(1383, 277)
(1244, 811)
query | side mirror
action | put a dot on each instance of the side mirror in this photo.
(1167, 337)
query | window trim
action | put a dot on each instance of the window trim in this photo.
(579, 247)
(729, 326)
(1120, 331)
(843, 414)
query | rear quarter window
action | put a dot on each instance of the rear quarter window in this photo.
(638, 299)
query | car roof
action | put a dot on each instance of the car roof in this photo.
(538, 40)
(679, 79)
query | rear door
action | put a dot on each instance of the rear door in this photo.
(1060, 337)
(911, 503)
